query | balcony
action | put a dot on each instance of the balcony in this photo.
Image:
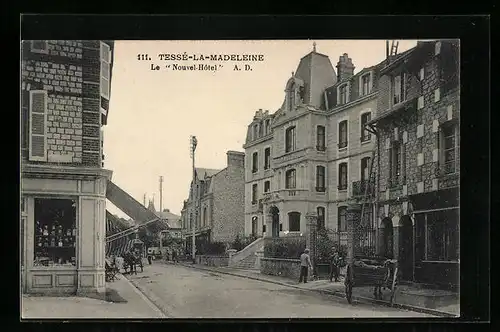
(363, 187)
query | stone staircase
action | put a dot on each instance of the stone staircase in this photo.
(247, 263)
(247, 258)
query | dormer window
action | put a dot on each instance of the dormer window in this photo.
(365, 84)
(266, 126)
(398, 89)
(255, 131)
(343, 94)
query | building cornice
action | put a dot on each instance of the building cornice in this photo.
(64, 172)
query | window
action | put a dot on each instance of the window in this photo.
(267, 186)
(449, 151)
(255, 131)
(365, 134)
(366, 84)
(343, 134)
(442, 236)
(294, 221)
(263, 228)
(321, 217)
(205, 216)
(38, 125)
(255, 162)
(398, 89)
(342, 176)
(320, 138)
(365, 168)
(267, 123)
(105, 70)
(342, 219)
(254, 193)
(290, 179)
(40, 46)
(290, 139)
(55, 232)
(342, 94)
(320, 178)
(267, 158)
(395, 162)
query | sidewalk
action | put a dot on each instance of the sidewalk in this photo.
(435, 302)
(123, 300)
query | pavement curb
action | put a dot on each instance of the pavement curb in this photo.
(148, 298)
(359, 299)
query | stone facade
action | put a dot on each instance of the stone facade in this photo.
(313, 107)
(218, 202)
(431, 103)
(65, 90)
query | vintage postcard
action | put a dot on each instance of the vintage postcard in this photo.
(240, 179)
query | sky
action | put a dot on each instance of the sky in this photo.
(152, 113)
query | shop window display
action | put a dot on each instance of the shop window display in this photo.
(55, 232)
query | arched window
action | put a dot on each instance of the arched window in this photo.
(294, 221)
(321, 217)
(255, 131)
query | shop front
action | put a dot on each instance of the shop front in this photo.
(437, 234)
(63, 229)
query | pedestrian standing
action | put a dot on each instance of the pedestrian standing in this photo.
(174, 256)
(305, 263)
(150, 259)
(334, 265)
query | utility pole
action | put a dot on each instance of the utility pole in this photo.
(161, 193)
(194, 142)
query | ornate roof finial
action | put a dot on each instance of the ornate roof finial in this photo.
(293, 73)
(314, 46)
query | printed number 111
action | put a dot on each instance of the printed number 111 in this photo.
(143, 57)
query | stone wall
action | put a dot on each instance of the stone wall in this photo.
(288, 268)
(229, 203)
(212, 260)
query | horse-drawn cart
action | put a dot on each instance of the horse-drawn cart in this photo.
(379, 273)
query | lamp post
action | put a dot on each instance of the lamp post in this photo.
(193, 144)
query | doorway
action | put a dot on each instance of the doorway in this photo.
(254, 226)
(386, 247)
(406, 248)
(275, 216)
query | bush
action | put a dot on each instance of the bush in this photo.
(324, 246)
(240, 243)
(290, 248)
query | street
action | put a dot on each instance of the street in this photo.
(182, 292)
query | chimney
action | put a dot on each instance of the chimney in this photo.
(236, 159)
(345, 67)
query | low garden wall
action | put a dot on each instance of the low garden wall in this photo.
(210, 260)
(288, 268)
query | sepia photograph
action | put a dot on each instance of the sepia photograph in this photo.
(196, 179)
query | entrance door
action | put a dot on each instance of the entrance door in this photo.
(406, 248)
(254, 226)
(276, 225)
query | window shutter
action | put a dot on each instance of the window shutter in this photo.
(38, 125)
(105, 70)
